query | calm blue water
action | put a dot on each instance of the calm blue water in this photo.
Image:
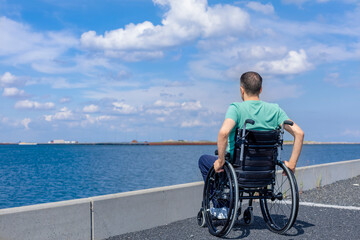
(49, 173)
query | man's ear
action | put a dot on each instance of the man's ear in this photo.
(260, 90)
(242, 90)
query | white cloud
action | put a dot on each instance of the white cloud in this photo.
(159, 111)
(297, 2)
(59, 83)
(20, 44)
(191, 123)
(92, 120)
(7, 79)
(198, 123)
(45, 51)
(191, 106)
(263, 8)
(161, 103)
(182, 93)
(293, 63)
(123, 108)
(64, 114)
(25, 122)
(274, 90)
(13, 92)
(207, 69)
(91, 108)
(27, 104)
(327, 53)
(224, 62)
(134, 56)
(64, 100)
(160, 119)
(300, 2)
(184, 21)
(167, 107)
(340, 82)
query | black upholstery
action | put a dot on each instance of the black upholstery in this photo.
(260, 153)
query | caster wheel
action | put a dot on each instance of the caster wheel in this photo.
(201, 218)
(248, 216)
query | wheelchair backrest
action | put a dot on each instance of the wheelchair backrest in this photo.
(257, 169)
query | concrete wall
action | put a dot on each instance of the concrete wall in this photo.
(323, 174)
(105, 216)
(60, 220)
(133, 211)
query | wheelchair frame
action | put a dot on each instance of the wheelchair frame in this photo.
(223, 189)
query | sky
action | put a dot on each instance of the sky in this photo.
(116, 70)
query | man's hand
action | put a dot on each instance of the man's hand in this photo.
(218, 166)
(291, 167)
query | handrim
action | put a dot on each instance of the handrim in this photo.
(279, 218)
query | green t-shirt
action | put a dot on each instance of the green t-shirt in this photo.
(267, 116)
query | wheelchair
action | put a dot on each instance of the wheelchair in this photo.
(255, 173)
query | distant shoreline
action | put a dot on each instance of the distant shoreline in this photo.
(172, 143)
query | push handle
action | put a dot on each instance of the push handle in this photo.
(250, 121)
(247, 121)
(288, 122)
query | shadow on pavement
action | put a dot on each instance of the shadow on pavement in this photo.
(241, 230)
(299, 227)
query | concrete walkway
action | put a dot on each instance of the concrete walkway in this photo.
(325, 219)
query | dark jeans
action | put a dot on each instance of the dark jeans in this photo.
(205, 163)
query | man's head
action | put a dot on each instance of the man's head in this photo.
(250, 84)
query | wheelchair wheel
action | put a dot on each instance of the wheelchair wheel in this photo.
(201, 218)
(221, 193)
(281, 210)
(248, 216)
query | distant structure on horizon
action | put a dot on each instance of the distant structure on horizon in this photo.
(61, 141)
(27, 143)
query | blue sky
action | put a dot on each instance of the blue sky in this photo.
(165, 69)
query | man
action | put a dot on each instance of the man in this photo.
(267, 116)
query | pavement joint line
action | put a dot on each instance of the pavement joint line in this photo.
(329, 206)
(310, 204)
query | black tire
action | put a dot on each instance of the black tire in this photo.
(201, 218)
(281, 211)
(248, 216)
(221, 189)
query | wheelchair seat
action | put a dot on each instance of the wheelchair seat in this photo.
(257, 169)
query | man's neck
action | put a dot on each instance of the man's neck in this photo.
(254, 98)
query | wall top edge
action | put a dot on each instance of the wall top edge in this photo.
(44, 206)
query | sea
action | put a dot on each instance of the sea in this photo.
(49, 173)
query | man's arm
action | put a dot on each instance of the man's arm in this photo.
(222, 142)
(298, 135)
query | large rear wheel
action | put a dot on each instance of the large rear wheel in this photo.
(220, 200)
(280, 211)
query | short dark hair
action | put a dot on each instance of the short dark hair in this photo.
(251, 82)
